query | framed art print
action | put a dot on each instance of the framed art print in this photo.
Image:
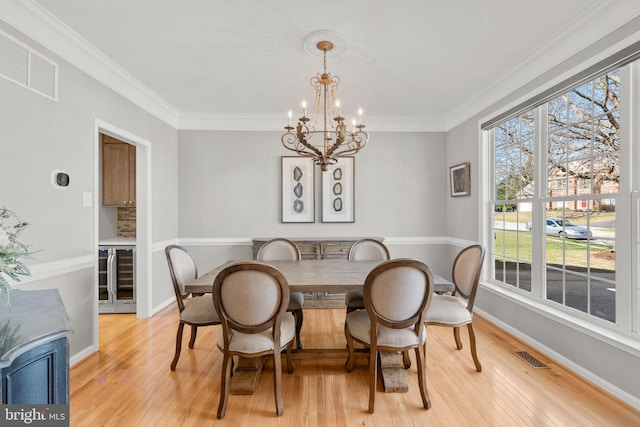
(338, 191)
(459, 180)
(297, 189)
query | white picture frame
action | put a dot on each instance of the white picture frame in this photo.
(298, 189)
(338, 196)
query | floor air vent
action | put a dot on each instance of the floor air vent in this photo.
(535, 363)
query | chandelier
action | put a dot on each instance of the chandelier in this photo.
(329, 139)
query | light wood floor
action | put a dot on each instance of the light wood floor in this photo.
(129, 383)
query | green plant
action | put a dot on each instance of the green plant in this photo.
(12, 251)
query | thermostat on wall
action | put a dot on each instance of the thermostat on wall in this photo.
(60, 179)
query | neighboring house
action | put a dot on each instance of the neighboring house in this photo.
(561, 186)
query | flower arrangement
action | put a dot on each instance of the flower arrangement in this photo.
(12, 250)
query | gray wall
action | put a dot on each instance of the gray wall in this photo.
(613, 365)
(229, 186)
(38, 135)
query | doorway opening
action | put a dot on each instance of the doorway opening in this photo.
(132, 219)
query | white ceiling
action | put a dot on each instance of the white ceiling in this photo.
(429, 61)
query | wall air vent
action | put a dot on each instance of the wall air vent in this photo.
(24, 66)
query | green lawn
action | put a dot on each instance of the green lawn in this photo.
(517, 245)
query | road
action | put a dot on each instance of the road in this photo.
(601, 233)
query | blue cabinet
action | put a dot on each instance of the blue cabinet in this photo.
(38, 376)
(34, 349)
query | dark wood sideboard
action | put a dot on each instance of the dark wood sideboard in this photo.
(34, 349)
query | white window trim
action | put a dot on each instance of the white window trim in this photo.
(624, 333)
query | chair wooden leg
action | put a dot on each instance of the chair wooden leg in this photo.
(406, 361)
(350, 346)
(178, 347)
(277, 382)
(297, 314)
(373, 377)
(224, 384)
(290, 366)
(456, 336)
(472, 342)
(422, 377)
(194, 332)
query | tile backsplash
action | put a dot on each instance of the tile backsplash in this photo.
(126, 223)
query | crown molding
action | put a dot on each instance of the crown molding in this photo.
(34, 21)
(574, 37)
(274, 122)
(37, 23)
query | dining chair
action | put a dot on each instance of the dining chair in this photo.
(251, 300)
(194, 310)
(396, 295)
(364, 250)
(456, 310)
(284, 249)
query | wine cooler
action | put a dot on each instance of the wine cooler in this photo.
(117, 279)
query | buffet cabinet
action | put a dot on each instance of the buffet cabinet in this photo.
(315, 248)
(34, 349)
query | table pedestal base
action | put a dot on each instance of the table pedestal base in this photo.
(392, 372)
(246, 375)
(245, 378)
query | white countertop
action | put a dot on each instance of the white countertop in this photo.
(118, 241)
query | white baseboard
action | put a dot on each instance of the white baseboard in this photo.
(163, 305)
(572, 366)
(81, 355)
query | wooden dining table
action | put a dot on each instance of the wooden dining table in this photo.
(327, 275)
(317, 276)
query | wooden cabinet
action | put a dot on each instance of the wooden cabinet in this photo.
(315, 248)
(118, 173)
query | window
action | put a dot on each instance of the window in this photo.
(557, 179)
(514, 148)
(583, 144)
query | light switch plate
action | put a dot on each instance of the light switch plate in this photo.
(86, 199)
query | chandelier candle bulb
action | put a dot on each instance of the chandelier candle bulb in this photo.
(289, 115)
(318, 137)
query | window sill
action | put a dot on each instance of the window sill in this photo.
(625, 341)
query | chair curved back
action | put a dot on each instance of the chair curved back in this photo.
(368, 250)
(397, 293)
(466, 272)
(254, 285)
(279, 249)
(182, 269)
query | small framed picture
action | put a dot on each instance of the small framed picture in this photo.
(297, 189)
(338, 191)
(460, 180)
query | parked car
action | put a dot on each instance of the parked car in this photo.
(564, 228)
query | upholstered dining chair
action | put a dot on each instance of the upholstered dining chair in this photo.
(364, 250)
(396, 295)
(456, 310)
(281, 249)
(251, 300)
(194, 310)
